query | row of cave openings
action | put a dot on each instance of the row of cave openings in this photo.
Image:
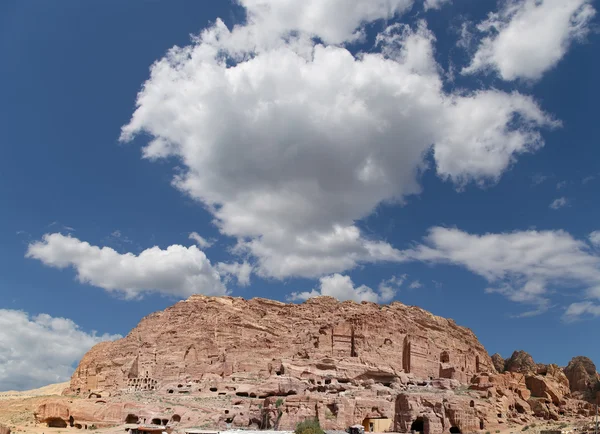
(418, 426)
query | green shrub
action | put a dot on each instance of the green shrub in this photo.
(497, 431)
(279, 402)
(487, 432)
(525, 428)
(309, 426)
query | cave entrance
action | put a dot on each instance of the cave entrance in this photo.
(418, 425)
(132, 418)
(71, 421)
(56, 422)
(454, 430)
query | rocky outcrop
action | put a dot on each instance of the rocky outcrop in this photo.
(206, 344)
(4, 429)
(227, 362)
(583, 378)
(522, 362)
(498, 362)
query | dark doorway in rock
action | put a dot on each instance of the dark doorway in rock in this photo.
(132, 418)
(445, 357)
(155, 421)
(418, 425)
(454, 430)
(176, 418)
(71, 421)
(56, 422)
(472, 404)
(481, 424)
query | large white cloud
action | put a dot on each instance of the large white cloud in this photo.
(526, 38)
(35, 351)
(342, 288)
(334, 21)
(524, 266)
(288, 144)
(178, 270)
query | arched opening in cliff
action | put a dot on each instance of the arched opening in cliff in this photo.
(445, 357)
(213, 389)
(481, 424)
(132, 418)
(472, 404)
(78, 426)
(170, 391)
(165, 422)
(71, 421)
(406, 355)
(418, 425)
(156, 421)
(454, 430)
(56, 422)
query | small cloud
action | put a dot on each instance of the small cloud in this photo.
(117, 235)
(202, 242)
(415, 285)
(560, 185)
(559, 203)
(595, 238)
(538, 178)
(588, 179)
(434, 4)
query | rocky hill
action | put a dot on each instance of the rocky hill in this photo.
(221, 361)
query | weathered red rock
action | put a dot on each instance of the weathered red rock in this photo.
(498, 362)
(522, 362)
(583, 378)
(4, 429)
(223, 361)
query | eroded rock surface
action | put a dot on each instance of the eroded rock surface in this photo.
(4, 429)
(226, 362)
(582, 376)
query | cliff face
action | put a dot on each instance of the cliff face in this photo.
(234, 345)
(222, 361)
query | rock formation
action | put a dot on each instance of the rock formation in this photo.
(520, 361)
(583, 378)
(223, 361)
(4, 429)
(498, 362)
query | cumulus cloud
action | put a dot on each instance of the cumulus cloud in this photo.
(519, 265)
(559, 203)
(595, 238)
(240, 270)
(526, 38)
(333, 21)
(435, 4)
(342, 288)
(202, 242)
(38, 350)
(290, 143)
(177, 271)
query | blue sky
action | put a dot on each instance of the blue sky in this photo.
(446, 157)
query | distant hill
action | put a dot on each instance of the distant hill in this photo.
(51, 389)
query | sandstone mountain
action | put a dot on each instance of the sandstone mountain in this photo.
(583, 378)
(224, 361)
